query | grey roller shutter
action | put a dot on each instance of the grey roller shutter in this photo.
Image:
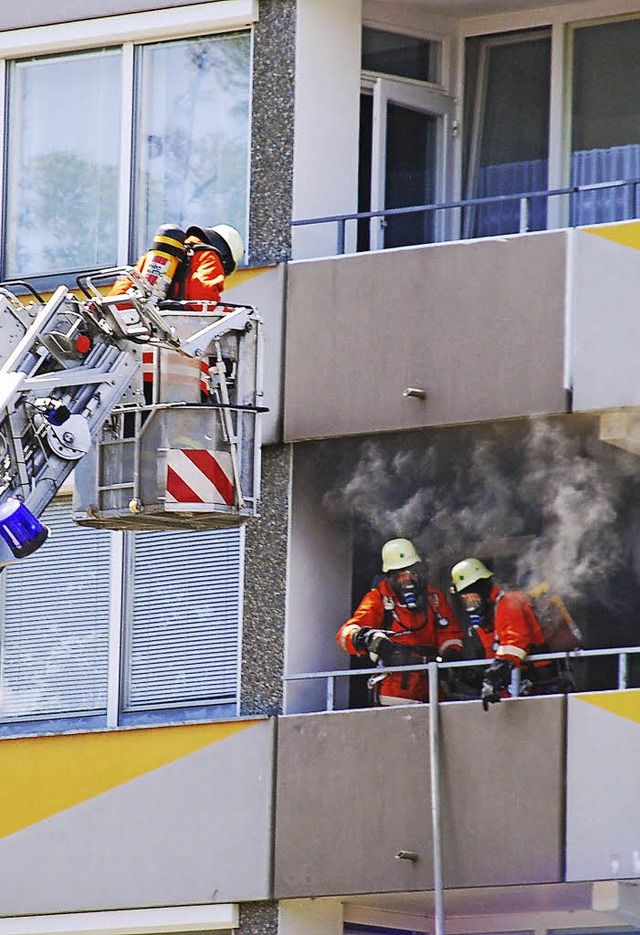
(55, 623)
(182, 646)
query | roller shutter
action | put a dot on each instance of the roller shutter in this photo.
(55, 623)
(183, 633)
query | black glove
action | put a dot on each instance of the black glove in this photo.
(374, 642)
(453, 654)
(496, 680)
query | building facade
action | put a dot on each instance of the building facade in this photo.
(174, 759)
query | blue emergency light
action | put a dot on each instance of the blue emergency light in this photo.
(20, 529)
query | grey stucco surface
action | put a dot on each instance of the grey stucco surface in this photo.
(272, 132)
(265, 589)
(258, 919)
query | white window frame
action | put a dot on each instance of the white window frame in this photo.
(125, 31)
(562, 20)
(422, 97)
(120, 568)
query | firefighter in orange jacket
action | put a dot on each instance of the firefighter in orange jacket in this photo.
(508, 630)
(207, 255)
(213, 253)
(402, 620)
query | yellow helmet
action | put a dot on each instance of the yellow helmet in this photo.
(467, 572)
(398, 553)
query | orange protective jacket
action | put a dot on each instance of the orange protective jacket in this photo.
(516, 628)
(203, 281)
(429, 633)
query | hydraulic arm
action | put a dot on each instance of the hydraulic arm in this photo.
(67, 363)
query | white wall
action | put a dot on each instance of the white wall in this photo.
(310, 917)
(327, 108)
(318, 587)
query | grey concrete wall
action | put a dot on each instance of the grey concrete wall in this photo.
(266, 556)
(353, 789)
(272, 123)
(479, 325)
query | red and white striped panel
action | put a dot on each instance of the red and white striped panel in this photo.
(199, 476)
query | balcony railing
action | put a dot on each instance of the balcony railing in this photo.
(595, 203)
(433, 669)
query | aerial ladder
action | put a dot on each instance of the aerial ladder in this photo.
(71, 392)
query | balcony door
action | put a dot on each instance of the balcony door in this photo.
(404, 161)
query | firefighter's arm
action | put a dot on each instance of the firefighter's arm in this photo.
(206, 276)
(121, 285)
(512, 629)
(369, 615)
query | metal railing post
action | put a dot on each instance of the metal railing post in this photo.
(342, 226)
(623, 671)
(331, 691)
(524, 215)
(436, 803)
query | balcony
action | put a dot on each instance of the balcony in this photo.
(485, 329)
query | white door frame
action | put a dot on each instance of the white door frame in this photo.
(427, 100)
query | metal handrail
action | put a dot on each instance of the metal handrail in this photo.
(623, 654)
(523, 198)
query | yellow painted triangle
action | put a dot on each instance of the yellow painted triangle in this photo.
(626, 234)
(41, 776)
(625, 703)
(243, 275)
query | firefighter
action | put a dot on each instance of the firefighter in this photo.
(504, 628)
(206, 256)
(212, 254)
(402, 620)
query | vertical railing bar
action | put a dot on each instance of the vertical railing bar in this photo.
(524, 215)
(436, 804)
(342, 223)
(623, 671)
(331, 691)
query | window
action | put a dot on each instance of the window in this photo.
(508, 112)
(103, 145)
(390, 53)
(605, 125)
(103, 628)
(62, 191)
(405, 126)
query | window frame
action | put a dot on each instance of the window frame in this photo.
(125, 31)
(120, 568)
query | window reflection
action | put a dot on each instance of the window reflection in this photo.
(63, 154)
(192, 134)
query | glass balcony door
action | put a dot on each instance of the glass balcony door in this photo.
(403, 162)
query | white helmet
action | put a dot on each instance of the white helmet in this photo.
(398, 553)
(226, 240)
(467, 572)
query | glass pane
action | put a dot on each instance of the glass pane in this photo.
(63, 155)
(192, 135)
(55, 626)
(605, 130)
(410, 174)
(405, 56)
(364, 169)
(512, 136)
